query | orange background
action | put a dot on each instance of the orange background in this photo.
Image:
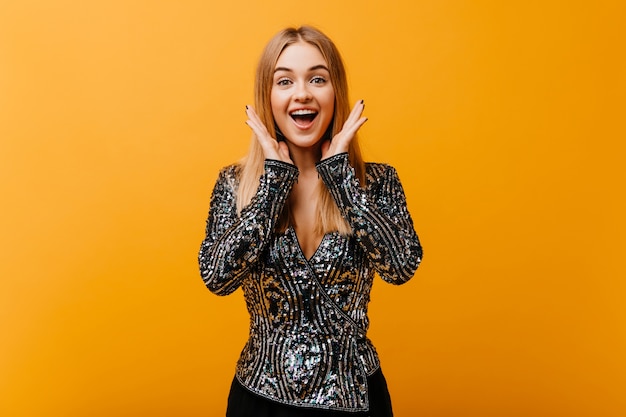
(505, 121)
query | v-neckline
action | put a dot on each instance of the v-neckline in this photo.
(294, 235)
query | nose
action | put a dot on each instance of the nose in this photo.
(302, 92)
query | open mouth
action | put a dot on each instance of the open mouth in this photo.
(303, 117)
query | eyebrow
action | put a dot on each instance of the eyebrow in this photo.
(313, 68)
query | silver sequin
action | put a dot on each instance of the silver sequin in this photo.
(308, 318)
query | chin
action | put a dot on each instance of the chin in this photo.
(304, 140)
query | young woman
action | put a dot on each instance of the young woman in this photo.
(302, 225)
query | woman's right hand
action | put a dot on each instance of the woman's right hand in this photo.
(272, 148)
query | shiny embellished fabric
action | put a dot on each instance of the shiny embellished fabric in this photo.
(308, 317)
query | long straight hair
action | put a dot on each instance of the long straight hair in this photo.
(328, 216)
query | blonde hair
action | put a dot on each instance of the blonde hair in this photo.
(329, 218)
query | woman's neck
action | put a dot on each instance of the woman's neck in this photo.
(305, 158)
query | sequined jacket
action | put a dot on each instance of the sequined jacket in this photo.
(308, 317)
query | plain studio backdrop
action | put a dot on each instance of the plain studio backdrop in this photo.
(505, 121)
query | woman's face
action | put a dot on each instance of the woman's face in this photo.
(302, 96)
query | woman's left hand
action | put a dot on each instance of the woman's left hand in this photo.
(340, 143)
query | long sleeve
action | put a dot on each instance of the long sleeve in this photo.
(233, 242)
(377, 214)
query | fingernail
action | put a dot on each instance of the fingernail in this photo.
(362, 102)
(246, 107)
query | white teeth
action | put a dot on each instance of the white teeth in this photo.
(302, 112)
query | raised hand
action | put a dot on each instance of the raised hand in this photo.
(272, 148)
(341, 141)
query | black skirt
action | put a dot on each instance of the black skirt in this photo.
(243, 403)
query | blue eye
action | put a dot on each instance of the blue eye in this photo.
(283, 82)
(318, 80)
